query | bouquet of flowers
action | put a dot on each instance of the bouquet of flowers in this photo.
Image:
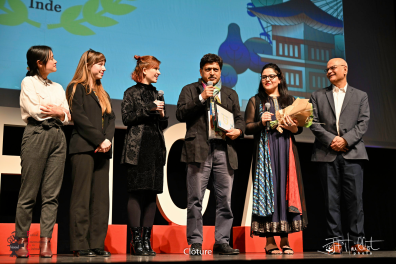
(301, 111)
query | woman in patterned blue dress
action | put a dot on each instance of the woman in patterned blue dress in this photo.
(278, 193)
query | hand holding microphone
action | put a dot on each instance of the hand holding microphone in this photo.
(160, 103)
(266, 116)
(208, 91)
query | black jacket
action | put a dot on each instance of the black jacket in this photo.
(88, 133)
(194, 113)
(136, 112)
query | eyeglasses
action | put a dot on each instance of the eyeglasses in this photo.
(332, 68)
(271, 77)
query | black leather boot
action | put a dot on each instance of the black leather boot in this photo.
(146, 241)
(136, 242)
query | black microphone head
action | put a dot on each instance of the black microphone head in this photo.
(267, 106)
(160, 93)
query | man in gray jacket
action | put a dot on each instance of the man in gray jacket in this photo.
(341, 117)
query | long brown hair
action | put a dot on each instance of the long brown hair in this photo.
(142, 62)
(83, 75)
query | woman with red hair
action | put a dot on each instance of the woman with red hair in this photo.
(143, 112)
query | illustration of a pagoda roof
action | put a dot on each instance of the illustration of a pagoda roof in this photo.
(296, 12)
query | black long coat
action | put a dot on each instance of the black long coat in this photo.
(136, 112)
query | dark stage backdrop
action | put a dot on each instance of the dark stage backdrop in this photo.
(370, 41)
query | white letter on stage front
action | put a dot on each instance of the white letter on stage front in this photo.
(168, 209)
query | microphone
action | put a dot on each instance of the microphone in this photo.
(160, 95)
(210, 83)
(267, 106)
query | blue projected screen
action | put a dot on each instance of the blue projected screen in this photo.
(298, 35)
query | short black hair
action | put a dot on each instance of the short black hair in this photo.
(211, 58)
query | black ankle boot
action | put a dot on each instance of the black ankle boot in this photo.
(136, 242)
(146, 241)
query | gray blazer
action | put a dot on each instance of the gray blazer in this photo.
(353, 123)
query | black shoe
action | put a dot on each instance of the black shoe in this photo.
(136, 243)
(84, 253)
(146, 241)
(100, 252)
(224, 249)
(196, 249)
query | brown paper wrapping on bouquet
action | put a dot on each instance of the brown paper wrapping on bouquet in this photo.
(299, 110)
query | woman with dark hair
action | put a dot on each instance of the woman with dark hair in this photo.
(143, 112)
(90, 149)
(43, 151)
(278, 193)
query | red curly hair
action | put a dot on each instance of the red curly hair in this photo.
(147, 62)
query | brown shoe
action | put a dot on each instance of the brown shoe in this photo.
(336, 248)
(22, 252)
(45, 247)
(359, 249)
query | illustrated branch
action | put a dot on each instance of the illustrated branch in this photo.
(17, 15)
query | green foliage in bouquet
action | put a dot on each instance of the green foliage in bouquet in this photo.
(274, 124)
(308, 123)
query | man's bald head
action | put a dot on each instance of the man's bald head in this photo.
(337, 61)
(337, 70)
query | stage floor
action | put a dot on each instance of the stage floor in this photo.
(313, 257)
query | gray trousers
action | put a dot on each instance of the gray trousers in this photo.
(197, 180)
(43, 155)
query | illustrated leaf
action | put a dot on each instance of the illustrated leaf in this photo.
(89, 12)
(90, 8)
(68, 22)
(11, 19)
(106, 4)
(77, 29)
(102, 21)
(116, 9)
(95, 19)
(18, 7)
(70, 14)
